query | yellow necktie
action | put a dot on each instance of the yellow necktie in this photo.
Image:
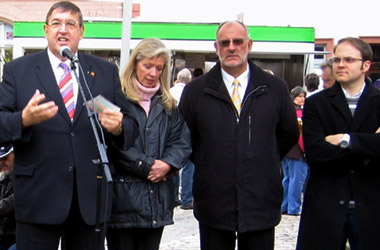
(236, 97)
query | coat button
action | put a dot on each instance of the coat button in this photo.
(72, 134)
(70, 169)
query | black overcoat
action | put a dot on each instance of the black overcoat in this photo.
(338, 175)
(237, 179)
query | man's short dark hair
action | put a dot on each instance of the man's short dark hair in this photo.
(198, 72)
(65, 6)
(311, 82)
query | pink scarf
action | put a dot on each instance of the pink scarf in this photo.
(146, 94)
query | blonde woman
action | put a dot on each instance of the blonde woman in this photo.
(143, 185)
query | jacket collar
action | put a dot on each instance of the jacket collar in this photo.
(365, 103)
(47, 80)
(46, 77)
(214, 82)
(89, 73)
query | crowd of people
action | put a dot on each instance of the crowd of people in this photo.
(249, 149)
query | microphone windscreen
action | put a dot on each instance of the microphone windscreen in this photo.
(62, 49)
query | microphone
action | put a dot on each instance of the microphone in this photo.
(65, 51)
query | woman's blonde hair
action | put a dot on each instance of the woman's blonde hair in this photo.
(148, 48)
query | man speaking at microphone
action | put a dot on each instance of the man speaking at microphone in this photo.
(43, 115)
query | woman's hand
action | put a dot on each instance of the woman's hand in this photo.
(158, 171)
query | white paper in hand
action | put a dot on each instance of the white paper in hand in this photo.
(101, 103)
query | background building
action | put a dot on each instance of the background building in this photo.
(289, 51)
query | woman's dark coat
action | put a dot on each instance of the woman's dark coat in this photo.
(139, 203)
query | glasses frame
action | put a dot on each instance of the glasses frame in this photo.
(235, 41)
(345, 60)
(69, 24)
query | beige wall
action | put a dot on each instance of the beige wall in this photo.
(18, 10)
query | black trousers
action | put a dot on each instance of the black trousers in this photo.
(74, 233)
(134, 238)
(212, 239)
(351, 230)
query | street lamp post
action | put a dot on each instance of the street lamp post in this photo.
(126, 33)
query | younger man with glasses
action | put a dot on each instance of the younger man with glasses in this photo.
(342, 144)
(242, 124)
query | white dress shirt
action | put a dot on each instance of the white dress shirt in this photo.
(176, 90)
(243, 80)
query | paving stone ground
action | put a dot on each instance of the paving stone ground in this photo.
(184, 235)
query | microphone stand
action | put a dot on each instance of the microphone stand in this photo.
(103, 163)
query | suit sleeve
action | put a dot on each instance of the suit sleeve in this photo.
(129, 127)
(317, 149)
(10, 111)
(365, 143)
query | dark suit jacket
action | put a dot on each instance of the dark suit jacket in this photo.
(338, 175)
(48, 156)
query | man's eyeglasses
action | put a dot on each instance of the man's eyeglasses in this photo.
(70, 25)
(226, 42)
(345, 60)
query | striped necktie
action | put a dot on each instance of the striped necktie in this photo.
(236, 97)
(66, 89)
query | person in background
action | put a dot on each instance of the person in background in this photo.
(197, 72)
(311, 84)
(44, 117)
(7, 206)
(342, 144)
(294, 165)
(327, 74)
(183, 78)
(242, 123)
(144, 188)
(376, 83)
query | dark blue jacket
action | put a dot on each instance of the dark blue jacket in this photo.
(48, 153)
(138, 202)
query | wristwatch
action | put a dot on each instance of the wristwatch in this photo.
(345, 141)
